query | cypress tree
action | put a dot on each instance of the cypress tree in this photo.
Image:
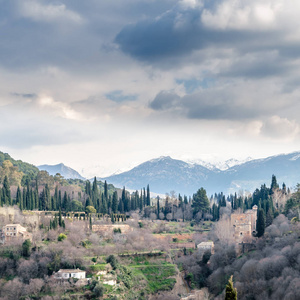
(230, 292)
(3, 197)
(144, 197)
(260, 223)
(185, 199)
(109, 203)
(148, 195)
(47, 197)
(88, 190)
(59, 218)
(6, 188)
(95, 192)
(42, 200)
(274, 184)
(158, 208)
(59, 199)
(105, 190)
(19, 198)
(65, 201)
(32, 201)
(269, 217)
(115, 202)
(141, 202)
(36, 194)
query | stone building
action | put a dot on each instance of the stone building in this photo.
(244, 224)
(11, 232)
(206, 246)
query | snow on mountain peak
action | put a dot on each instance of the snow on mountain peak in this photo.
(221, 165)
(295, 157)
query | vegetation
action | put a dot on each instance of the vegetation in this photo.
(230, 291)
(61, 213)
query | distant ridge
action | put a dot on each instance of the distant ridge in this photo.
(165, 174)
(63, 170)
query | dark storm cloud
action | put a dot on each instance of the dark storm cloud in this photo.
(169, 39)
(70, 34)
(219, 104)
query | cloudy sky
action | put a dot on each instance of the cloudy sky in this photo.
(105, 85)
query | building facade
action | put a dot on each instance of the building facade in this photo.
(70, 273)
(11, 232)
(244, 224)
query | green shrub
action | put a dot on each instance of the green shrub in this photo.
(98, 290)
(61, 237)
(112, 260)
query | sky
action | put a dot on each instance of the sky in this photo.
(105, 85)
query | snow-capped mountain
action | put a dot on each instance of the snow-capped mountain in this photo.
(220, 165)
(165, 174)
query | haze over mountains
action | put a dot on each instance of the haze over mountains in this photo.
(165, 174)
(63, 170)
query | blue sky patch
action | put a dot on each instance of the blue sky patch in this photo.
(118, 96)
(193, 85)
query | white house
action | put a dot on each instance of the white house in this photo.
(70, 273)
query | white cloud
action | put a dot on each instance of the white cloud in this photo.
(36, 11)
(245, 14)
(280, 128)
(59, 108)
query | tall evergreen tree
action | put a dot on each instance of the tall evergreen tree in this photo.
(36, 194)
(59, 199)
(88, 189)
(185, 199)
(274, 184)
(141, 204)
(95, 193)
(105, 190)
(269, 217)
(6, 188)
(260, 223)
(115, 202)
(47, 197)
(230, 291)
(148, 195)
(19, 200)
(200, 201)
(59, 218)
(144, 197)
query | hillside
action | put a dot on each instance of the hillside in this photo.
(166, 174)
(24, 167)
(63, 170)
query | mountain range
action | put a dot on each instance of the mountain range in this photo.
(63, 170)
(165, 174)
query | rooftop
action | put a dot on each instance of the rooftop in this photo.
(70, 271)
